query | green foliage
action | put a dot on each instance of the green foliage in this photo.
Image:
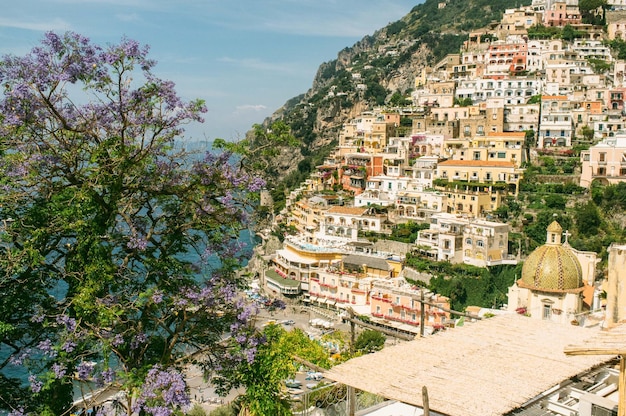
(397, 99)
(593, 11)
(405, 233)
(197, 410)
(228, 410)
(540, 31)
(599, 66)
(587, 218)
(260, 147)
(463, 102)
(263, 378)
(302, 346)
(619, 46)
(369, 341)
(569, 33)
(554, 201)
(375, 93)
(610, 197)
(395, 28)
(468, 285)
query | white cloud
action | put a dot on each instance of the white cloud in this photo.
(251, 107)
(129, 17)
(40, 26)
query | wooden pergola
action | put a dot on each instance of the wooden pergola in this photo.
(610, 342)
(485, 368)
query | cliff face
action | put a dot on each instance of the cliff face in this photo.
(378, 70)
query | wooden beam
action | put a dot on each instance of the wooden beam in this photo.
(390, 332)
(594, 350)
(621, 403)
(426, 404)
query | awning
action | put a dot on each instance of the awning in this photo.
(313, 299)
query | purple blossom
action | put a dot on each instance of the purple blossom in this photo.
(108, 375)
(138, 340)
(68, 346)
(59, 370)
(137, 243)
(17, 412)
(35, 385)
(117, 340)
(250, 353)
(46, 348)
(19, 358)
(167, 388)
(158, 411)
(256, 184)
(70, 323)
(84, 370)
(157, 297)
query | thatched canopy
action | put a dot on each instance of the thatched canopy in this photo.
(484, 368)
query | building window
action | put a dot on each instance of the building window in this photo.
(547, 311)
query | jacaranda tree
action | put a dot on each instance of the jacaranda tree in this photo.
(118, 252)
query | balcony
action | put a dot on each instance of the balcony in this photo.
(381, 298)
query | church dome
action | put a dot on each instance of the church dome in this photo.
(552, 267)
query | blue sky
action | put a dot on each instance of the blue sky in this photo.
(245, 58)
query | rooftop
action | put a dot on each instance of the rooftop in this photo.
(490, 367)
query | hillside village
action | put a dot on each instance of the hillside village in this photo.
(449, 158)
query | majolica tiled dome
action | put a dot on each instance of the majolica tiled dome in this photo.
(552, 267)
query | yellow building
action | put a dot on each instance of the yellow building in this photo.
(475, 187)
(307, 214)
(492, 147)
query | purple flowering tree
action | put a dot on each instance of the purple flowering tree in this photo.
(118, 252)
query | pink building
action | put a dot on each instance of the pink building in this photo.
(605, 162)
(506, 58)
(561, 15)
(399, 302)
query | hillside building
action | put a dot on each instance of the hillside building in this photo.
(457, 239)
(604, 162)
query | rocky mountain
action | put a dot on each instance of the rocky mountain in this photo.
(378, 70)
